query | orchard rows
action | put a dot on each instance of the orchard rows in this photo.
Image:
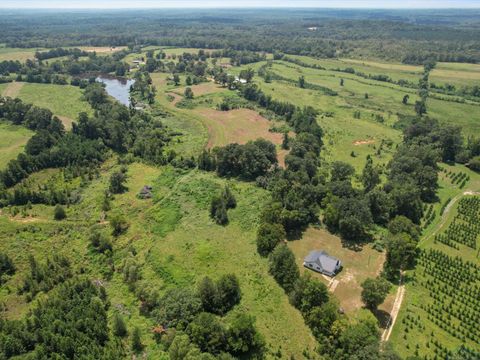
(465, 227)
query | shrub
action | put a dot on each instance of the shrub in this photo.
(119, 224)
(218, 210)
(208, 333)
(243, 337)
(59, 213)
(117, 182)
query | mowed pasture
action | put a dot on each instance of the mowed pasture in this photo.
(64, 101)
(201, 89)
(13, 140)
(12, 89)
(239, 126)
(20, 54)
(344, 135)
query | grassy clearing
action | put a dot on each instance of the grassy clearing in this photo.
(182, 210)
(64, 101)
(14, 139)
(358, 264)
(19, 54)
(201, 89)
(12, 89)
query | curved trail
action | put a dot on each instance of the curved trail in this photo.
(447, 211)
(401, 289)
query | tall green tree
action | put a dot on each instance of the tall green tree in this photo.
(370, 175)
(374, 292)
(283, 267)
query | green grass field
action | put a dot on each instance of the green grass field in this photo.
(14, 139)
(19, 54)
(65, 101)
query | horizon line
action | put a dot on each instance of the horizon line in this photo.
(476, 7)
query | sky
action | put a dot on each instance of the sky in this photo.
(114, 4)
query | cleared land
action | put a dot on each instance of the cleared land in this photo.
(239, 125)
(64, 101)
(13, 139)
(19, 54)
(358, 264)
(201, 89)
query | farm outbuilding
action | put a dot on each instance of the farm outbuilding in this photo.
(321, 262)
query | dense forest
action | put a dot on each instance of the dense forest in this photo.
(409, 36)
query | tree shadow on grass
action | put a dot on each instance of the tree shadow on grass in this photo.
(383, 318)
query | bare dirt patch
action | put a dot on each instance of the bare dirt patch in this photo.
(13, 89)
(363, 142)
(357, 265)
(66, 121)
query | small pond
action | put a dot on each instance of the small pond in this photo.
(117, 87)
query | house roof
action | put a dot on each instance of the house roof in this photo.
(327, 262)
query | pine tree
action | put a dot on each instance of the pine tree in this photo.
(285, 142)
(119, 326)
(137, 345)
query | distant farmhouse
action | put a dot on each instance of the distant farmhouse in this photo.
(323, 263)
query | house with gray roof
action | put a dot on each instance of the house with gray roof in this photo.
(321, 262)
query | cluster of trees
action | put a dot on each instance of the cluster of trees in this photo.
(193, 321)
(58, 52)
(249, 161)
(43, 277)
(70, 323)
(10, 66)
(220, 204)
(113, 126)
(143, 87)
(58, 71)
(51, 146)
